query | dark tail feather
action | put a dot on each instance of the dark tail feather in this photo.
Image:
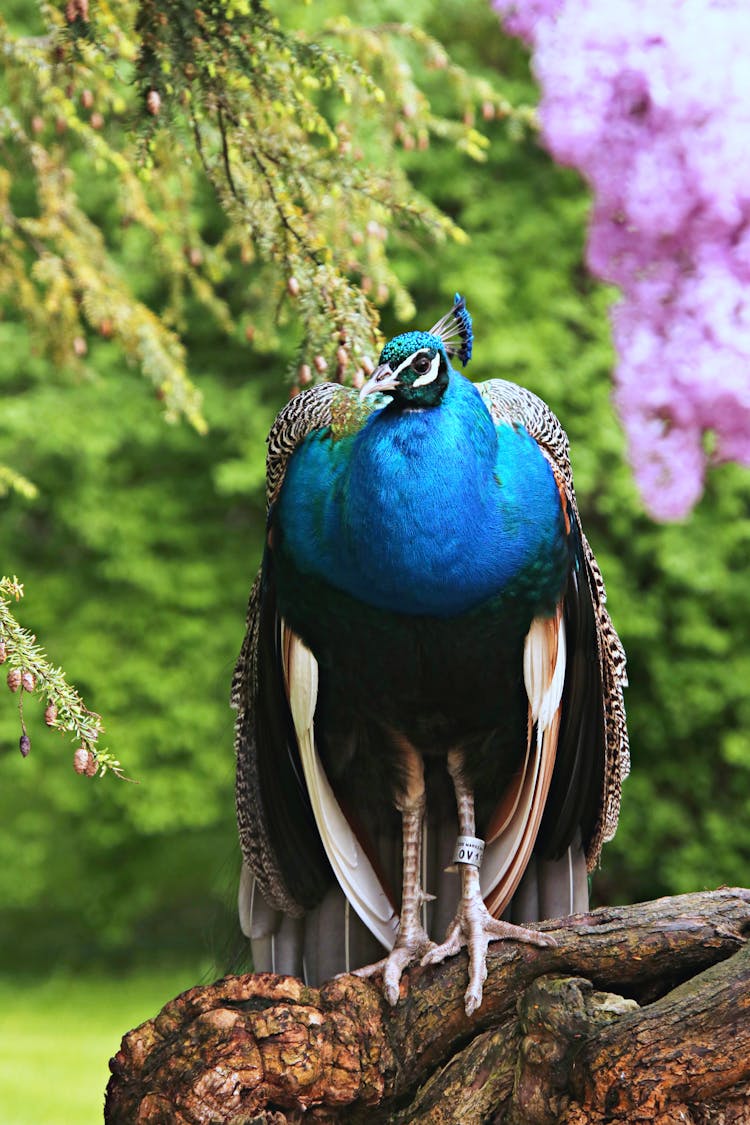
(524, 906)
(275, 938)
(552, 888)
(440, 840)
(336, 941)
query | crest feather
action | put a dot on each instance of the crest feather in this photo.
(455, 332)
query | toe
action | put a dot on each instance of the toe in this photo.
(368, 970)
(472, 1000)
(452, 945)
(545, 941)
(394, 968)
(454, 941)
(477, 969)
(392, 991)
(503, 931)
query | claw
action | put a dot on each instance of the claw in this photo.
(406, 950)
(474, 927)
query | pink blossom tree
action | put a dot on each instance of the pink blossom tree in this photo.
(650, 101)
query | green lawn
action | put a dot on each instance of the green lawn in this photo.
(57, 1036)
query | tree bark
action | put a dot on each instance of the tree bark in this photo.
(639, 1014)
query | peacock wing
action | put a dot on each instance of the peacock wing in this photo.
(592, 758)
(279, 825)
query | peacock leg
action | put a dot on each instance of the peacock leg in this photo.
(412, 941)
(473, 925)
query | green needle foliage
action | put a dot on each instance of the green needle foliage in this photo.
(297, 132)
(30, 671)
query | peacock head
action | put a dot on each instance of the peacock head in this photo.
(414, 368)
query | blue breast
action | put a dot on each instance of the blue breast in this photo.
(426, 511)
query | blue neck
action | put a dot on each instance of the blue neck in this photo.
(427, 511)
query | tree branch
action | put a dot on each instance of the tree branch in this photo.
(547, 1044)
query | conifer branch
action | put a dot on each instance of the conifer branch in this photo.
(31, 672)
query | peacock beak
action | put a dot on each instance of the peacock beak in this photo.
(381, 380)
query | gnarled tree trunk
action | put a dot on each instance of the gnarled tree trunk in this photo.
(639, 1014)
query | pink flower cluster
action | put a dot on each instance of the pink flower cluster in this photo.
(650, 101)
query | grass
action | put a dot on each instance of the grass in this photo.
(57, 1036)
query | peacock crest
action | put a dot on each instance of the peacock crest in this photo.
(454, 330)
(452, 334)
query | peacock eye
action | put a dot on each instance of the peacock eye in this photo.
(420, 364)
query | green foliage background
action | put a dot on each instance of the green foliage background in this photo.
(138, 553)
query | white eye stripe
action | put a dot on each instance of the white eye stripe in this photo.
(406, 363)
(429, 376)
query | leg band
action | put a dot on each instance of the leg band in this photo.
(469, 849)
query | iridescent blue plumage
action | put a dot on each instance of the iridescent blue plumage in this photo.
(430, 511)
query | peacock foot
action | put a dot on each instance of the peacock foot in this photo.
(411, 945)
(474, 927)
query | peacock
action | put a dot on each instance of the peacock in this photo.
(431, 735)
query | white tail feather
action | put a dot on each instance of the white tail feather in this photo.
(501, 853)
(507, 855)
(351, 866)
(544, 666)
(553, 694)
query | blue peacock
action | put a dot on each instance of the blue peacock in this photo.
(431, 735)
